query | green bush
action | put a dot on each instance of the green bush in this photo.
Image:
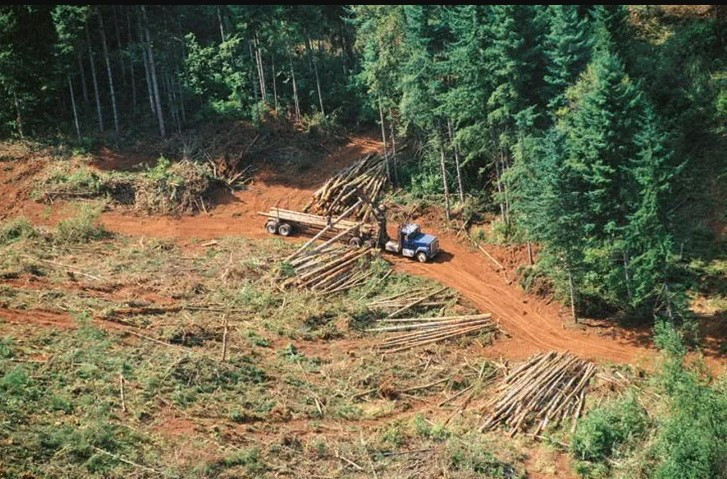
(692, 439)
(82, 228)
(16, 229)
(605, 429)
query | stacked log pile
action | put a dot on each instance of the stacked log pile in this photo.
(367, 176)
(546, 389)
(414, 332)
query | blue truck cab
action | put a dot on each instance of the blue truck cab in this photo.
(412, 243)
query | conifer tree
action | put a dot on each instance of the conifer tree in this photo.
(567, 50)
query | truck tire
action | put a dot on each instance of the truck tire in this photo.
(271, 227)
(285, 229)
(355, 241)
(422, 257)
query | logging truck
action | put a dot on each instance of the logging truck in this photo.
(410, 241)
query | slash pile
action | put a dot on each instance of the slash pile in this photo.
(414, 332)
(547, 388)
(367, 176)
(329, 268)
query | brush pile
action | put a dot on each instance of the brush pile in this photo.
(179, 188)
(367, 176)
(546, 389)
(328, 268)
(413, 332)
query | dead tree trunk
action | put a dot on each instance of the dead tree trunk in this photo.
(275, 83)
(530, 253)
(73, 105)
(260, 71)
(318, 80)
(460, 190)
(108, 70)
(152, 67)
(118, 46)
(393, 147)
(222, 27)
(572, 296)
(627, 275)
(255, 85)
(295, 90)
(131, 61)
(172, 103)
(181, 97)
(444, 179)
(147, 73)
(18, 115)
(95, 82)
(499, 190)
(84, 87)
(383, 139)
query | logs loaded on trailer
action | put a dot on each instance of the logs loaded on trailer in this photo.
(285, 222)
(546, 389)
(366, 176)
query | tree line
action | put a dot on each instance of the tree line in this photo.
(572, 122)
(125, 69)
(587, 136)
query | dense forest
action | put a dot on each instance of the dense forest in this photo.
(596, 133)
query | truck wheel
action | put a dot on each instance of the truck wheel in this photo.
(285, 229)
(271, 227)
(355, 241)
(422, 257)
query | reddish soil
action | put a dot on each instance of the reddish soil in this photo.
(36, 317)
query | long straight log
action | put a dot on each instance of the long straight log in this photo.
(440, 318)
(431, 333)
(414, 303)
(429, 325)
(430, 341)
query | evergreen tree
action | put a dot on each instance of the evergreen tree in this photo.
(567, 50)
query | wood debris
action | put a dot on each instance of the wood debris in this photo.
(546, 389)
(367, 176)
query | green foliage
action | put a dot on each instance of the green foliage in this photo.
(67, 181)
(473, 458)
(606, 433)
(426, 429)
(82, 228)
(567, 49)
(685, 435)
(15, 230)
